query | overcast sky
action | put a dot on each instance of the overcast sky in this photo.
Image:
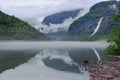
(27, 8)
(41, 8)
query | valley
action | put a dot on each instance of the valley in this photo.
(59, 40)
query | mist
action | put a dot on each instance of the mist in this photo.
(39, 45)
(52, 28)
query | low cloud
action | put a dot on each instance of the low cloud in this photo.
(42, 8)
(52, 28)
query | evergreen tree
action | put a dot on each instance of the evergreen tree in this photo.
(12, 28)
(114, 39)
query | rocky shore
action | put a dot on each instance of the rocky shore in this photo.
(103, 70)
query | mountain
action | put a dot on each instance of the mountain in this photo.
(12, 28)
(58, 22)
(96, 24)
(59, 18)
(56, 25)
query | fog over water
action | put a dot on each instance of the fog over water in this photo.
(54, 61)
(23, 45)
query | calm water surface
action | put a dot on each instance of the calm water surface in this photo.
(22, 60)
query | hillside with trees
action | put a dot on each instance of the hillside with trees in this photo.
(114, 38)
(12, 28)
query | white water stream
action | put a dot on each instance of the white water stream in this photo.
(97, 28)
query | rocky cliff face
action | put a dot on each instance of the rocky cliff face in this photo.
(58, 18)
(56, 25)
(82, 28)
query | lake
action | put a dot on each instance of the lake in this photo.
(53, 60)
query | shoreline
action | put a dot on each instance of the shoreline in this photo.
(103, 70)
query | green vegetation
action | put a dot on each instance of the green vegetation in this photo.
(11, 28)
(84, 26)
(114, 39)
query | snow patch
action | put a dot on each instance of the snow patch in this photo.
(60, 27)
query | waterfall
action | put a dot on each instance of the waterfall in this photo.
(97, 54)
(97, 28)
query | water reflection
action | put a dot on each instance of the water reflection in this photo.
(11, 59)
(46, 65)
(83, 55)
(59, 59)
(47, 61)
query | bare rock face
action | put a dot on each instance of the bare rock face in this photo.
(82, 28)
(58, 18)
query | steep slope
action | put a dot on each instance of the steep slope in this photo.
(59, 18)
(99, 17)
(12, 28)
(56, 25)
